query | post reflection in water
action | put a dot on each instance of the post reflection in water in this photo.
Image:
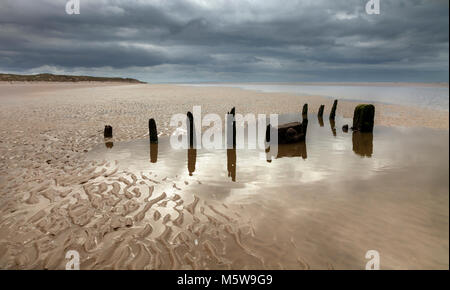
(320, 121)
(192, 159)
(363, 144)
(231, 163)
(333, 126)
(289, 150)
(109, 143)
(153, 152)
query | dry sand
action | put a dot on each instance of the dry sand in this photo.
(52, 199)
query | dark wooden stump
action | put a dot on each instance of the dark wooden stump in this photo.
(363, 118)
(304, 126)
(321, 109)
(333, 110)
(305, 111)
(268, 128)
(290, 133)
(190, 128)
(152, 131)
(108, 132)
(231, 128)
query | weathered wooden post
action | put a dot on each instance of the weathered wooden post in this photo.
(320, 113)
(304, 126)
(231, 128)
(305, 111)
(268, 128)
(108, 131)
(152, 131)
(363, 118)
(190, 128)
(333, 110)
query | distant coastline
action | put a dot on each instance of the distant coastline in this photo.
(357, 84)
(63, 78)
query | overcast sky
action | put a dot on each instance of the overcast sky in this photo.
(228, 40)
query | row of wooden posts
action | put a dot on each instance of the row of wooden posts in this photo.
(153, 132)
(362, 121)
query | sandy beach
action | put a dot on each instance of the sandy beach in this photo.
(53, 198)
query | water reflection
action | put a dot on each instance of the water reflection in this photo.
(192, 159)
(333, 126)
(153, 152)
(289, 150)
(163, 158)
(109, 143)
(320, 121)
(231, 163)
(363, 143)
(322, 195)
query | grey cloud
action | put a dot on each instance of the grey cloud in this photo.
(228, 40)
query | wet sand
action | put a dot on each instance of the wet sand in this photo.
(55, 197)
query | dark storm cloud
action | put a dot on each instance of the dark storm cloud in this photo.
(229, 40)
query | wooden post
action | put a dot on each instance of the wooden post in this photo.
(333, 110)
(190, 129)
(305, 111)
(232, 124)
(268, 129)
(363, 118)
(152, 131)
(320, 113)
(108, 132)
(304, 126)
